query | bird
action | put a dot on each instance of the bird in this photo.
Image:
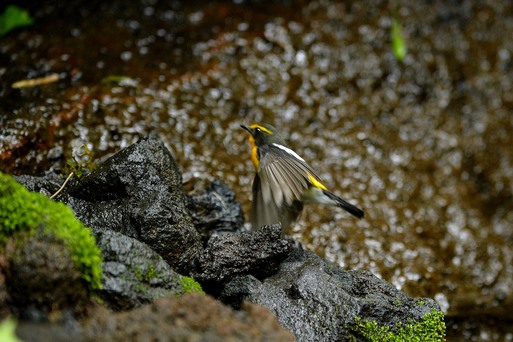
(284, 181)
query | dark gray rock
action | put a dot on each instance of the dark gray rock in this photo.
(215, 210)
(317, 301)
(133, 274)
(256, 252)
(138, 192)
(47, 184)
(137, 195)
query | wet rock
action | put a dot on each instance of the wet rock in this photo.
(317, 300)
(133, 274)
(215, 210)
(47, 184)
(190, 318)
(138, 192)
(256, 252)
(41, 277)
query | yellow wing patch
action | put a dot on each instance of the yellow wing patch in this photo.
(316, 183)
(266, 130)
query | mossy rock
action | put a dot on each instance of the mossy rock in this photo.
(430, 329)
(28, 213)
(134, 274)
(41, 274)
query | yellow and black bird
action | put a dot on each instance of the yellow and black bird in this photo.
(284, 181)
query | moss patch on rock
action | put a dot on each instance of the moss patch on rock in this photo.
(430, 329)
(24, 211)
(191, 286)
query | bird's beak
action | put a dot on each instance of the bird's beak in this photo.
(247, 129)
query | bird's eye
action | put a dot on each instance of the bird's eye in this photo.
(258, 130)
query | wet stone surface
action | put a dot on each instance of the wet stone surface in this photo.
(424, 146)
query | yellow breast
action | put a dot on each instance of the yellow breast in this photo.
(254, 152)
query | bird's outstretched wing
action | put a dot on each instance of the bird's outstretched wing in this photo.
(285, 176)
(264, 213)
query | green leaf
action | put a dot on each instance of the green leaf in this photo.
(12, 18)
(123, 81)
(398, 41)
(7, 330)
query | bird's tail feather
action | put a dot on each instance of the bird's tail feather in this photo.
(339, 202)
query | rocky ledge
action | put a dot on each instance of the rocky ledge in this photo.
(157, 244)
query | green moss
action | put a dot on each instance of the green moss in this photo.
(138, 274)
(21, 210)
(80, 162)
(152, 273)
(146, 275)
(190, 285)
(431, 328)
(397, 302)
(141, 288)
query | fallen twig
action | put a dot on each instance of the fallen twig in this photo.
(62, 186)
(36, 81)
